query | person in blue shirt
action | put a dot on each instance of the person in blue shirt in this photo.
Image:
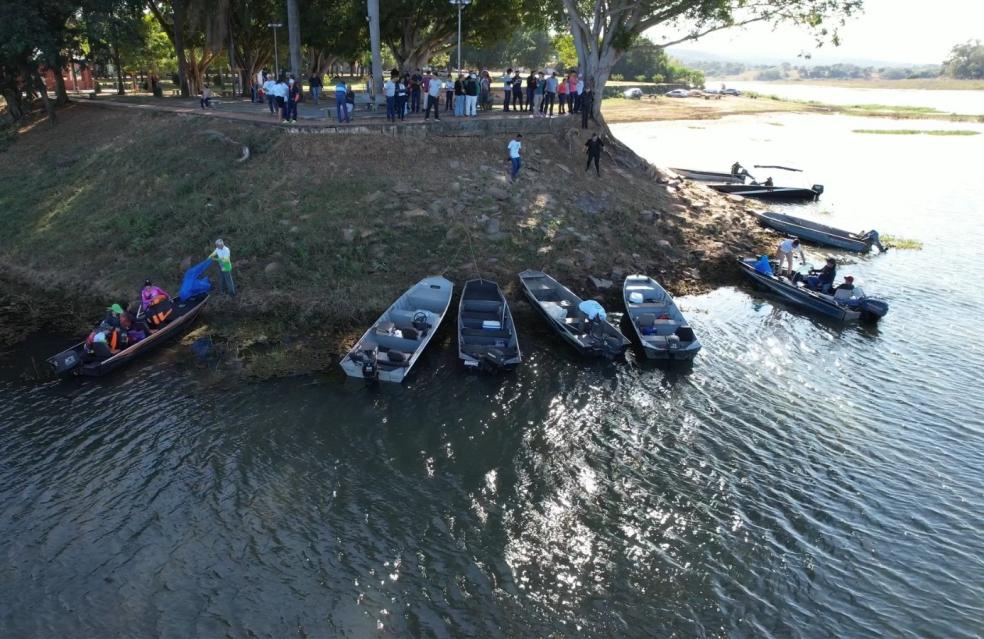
(763, 266)
(340, 108)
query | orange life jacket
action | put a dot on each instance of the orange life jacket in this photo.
(158, 313)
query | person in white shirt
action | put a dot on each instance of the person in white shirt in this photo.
(270, 91)
(785, 252)
(514, 146)
(434, 98)
(389, 90)
(206, 99)
(222, 256)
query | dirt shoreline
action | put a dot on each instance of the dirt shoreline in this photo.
(327, 230)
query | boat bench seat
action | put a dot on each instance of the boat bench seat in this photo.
(479, 332)
(482, 306)
(392, 342)
(482, 317)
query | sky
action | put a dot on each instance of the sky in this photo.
(900, 31)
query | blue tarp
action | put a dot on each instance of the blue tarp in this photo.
(195, 281)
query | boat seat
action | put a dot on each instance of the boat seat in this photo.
(659, 341)
(842, 295)
(482, 306)
(479, 332)
(645, 320)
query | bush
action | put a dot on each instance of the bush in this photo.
(640, 78)
(617, 77)
(657, 78)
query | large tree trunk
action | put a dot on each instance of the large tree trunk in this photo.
(42, 90)
(177, 39)
(12, 96)
(294, 37)
(61, 95)
(120, 90)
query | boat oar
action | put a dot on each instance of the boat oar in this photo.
(773, 166)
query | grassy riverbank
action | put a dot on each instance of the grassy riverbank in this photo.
(326, 230)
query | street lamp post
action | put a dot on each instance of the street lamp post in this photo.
(276, 56)
(461, 5)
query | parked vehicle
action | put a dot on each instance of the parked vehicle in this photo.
(677, 93)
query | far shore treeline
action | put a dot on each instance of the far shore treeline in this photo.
(197, 41)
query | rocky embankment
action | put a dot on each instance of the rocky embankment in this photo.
(327, 229)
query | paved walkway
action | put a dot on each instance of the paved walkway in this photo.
(308, 115)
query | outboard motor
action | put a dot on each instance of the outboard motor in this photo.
(66, 363)
(873, 309)
(370, 369)
(817, 190)
(420, 322)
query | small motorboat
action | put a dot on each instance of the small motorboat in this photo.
(711, 176)
(582, 324)
(80, 361)
(96, 360)
(659, 324)
(390, 348)
(486, 333)
(771, 193)
(843, 306)
(819, 233)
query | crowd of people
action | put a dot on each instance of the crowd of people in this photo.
(540, 94)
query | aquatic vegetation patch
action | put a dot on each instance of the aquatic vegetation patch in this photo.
(944, 132)
(901, 243)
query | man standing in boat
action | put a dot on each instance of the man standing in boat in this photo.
(223, 257)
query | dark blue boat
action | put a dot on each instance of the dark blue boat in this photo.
(845, 306)
(820, 233)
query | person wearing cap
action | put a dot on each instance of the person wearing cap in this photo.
(223, 257)
(113, 317)
(822, 279)
(763, 266)
(150, 295)
(846, 285)
(784, 252)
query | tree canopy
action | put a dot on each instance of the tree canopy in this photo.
(966, 61)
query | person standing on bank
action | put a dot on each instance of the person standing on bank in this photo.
(293, 97)
(594, 146)
(315, 83)
(514, 146)
(517, 92)
(587, 107)
(222, 256)
(389, 90)
(341, 111)
(433, 98)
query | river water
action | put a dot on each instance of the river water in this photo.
(801, 480)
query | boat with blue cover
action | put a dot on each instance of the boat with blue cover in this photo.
(843, 306)
(95, 359)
